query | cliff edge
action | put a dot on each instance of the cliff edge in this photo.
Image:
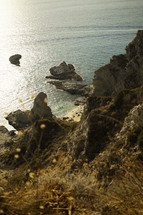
(123, 71)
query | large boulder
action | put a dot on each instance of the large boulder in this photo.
(72, 87)
(123, 71)
(19, 119)
(63, 72)
(40, 109)
(15, 59)
(23, 119)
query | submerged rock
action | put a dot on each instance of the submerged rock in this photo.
(72, 87)
(63, 72)
(14, 59)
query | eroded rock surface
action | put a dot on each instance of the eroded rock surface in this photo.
(72, 87)
(22, 119)
(19, 119)
(40, 109)
(123, 71)
(63, 72)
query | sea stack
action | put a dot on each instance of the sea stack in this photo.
(15, 59)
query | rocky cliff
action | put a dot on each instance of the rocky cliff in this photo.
(123, 71)
(90, 167)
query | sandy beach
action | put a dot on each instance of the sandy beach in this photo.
(75, 114)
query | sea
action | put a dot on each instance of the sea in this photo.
(86, 33)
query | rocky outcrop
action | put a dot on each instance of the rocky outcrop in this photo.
(40, 109)
(19, 119)
(63, 72)
(23, 119)
(123, 71)
(133, 120)
(103, 118)
(73, 87)
(15, 59)
(68, 80)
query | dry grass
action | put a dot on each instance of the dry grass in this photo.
(49, 191)
(61, 187)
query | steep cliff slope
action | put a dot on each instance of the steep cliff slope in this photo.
(123, 71)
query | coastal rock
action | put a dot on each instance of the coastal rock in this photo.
(23, 119)
(102, 120)
(63, 72)
(40, 109)
(135, 47)
(109, 79)
(35, 137)
(123, 71)
(19, 119)
(14, 59)
(72, 87)
(133, 120)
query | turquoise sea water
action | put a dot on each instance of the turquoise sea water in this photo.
(46, 32)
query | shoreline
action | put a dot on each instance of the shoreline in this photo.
(74, 115)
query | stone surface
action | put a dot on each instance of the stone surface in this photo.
(63, 72)
(15, 59)
(133, 120)
(19, 119)
(23, 119)
(40, 109)
(72, 87)
(123, 71)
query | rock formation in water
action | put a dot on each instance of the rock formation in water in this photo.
(15, 59)
(73, 87)
(63, 72)
(23, 119)
(68, 80)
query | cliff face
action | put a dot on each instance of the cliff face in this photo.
(104, 115)
(123, 71)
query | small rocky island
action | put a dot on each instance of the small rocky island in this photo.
(94, 166)
(64, 72)
(67, 79)
(15, 59)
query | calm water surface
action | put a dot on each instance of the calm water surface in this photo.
(84, 33)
